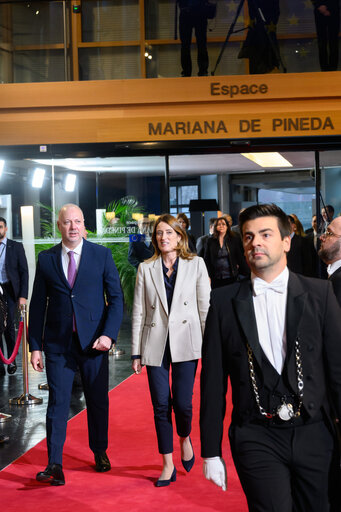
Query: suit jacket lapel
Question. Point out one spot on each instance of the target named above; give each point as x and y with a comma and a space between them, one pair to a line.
243, 305
57, 259
83, 264
157, 278
180, 280
296, 300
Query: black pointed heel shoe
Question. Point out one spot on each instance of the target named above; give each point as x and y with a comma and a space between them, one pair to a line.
164, 483
188, 464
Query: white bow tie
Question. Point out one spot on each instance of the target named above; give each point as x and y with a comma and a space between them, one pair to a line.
260, 286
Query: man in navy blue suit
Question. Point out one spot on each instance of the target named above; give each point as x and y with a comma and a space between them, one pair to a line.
14, 282
75, 315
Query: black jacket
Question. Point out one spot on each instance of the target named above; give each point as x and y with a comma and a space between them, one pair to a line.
313, 314
335, 279
237, 261
17, 269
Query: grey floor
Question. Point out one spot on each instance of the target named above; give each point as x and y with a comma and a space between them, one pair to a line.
27, 425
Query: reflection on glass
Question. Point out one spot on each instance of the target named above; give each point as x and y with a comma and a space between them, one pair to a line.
105, 20
109, 63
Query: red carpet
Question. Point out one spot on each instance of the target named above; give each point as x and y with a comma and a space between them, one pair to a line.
135, 465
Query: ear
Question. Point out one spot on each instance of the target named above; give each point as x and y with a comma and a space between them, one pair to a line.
286, 243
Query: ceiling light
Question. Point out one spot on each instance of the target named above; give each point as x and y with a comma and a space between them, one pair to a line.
267, 159
2, 165
38, 178
70, 182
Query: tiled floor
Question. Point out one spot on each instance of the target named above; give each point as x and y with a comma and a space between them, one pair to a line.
27, 425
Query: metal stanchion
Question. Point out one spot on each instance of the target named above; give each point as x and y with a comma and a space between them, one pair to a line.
4, 417
25, 398
115, 351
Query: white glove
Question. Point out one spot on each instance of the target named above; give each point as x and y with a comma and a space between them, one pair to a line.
215, 470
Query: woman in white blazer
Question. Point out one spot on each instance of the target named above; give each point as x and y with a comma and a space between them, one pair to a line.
169, 312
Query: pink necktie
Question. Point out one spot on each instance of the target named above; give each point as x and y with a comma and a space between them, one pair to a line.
71, 276
71, 271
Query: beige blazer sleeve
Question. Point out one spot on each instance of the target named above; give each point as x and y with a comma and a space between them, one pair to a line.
183, 325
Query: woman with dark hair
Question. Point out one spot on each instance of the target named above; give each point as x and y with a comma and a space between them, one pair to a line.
224, 255
170, 306
183, 220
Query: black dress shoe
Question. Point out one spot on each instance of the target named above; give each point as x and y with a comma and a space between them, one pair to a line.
3, 439
102, 462
164, 483
188, 464
12, 368
53, 474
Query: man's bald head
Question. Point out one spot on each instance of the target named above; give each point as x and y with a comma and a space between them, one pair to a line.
71, 225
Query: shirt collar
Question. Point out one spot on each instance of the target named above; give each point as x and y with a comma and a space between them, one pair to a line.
175, 266
76, 250
4, 240
333, 267
280, 280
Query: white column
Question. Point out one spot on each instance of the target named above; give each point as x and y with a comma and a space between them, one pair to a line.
28, 241
99, 221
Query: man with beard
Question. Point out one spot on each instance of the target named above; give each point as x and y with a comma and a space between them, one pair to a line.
14, 282
330, 253
277, 338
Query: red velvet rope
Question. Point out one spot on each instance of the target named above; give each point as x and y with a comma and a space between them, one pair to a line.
16, 347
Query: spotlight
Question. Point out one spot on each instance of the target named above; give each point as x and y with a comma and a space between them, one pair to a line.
2, 165
38, 178
70, 182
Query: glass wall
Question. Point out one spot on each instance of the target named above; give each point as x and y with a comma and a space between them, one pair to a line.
114, 194
55, 40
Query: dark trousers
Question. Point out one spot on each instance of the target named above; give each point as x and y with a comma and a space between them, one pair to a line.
189, 20
60, 371
284, 469
164, 399
9, 333
327, 31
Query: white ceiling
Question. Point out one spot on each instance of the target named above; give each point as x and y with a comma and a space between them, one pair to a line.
189, 165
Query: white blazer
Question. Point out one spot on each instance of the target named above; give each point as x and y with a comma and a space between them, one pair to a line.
184, 323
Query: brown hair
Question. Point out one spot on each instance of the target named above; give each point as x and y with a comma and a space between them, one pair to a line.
184, 217
224, 219
299, 228
182, 248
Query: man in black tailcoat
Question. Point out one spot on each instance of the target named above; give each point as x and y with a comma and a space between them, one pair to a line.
277, 336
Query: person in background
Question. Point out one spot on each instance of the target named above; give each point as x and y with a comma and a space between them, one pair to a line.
261, 45
202, 240
300, 256
169, 312
14, 282
330, 253
193, 16
327, 21
276, 337
313, 239
141, 250
327, 214
224, 255
183, 220
75, 314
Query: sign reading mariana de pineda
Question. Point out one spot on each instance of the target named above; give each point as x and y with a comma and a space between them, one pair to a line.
231, 124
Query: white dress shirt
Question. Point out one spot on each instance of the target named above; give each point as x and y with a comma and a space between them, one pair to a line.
270, 300
333, 267
65, 257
